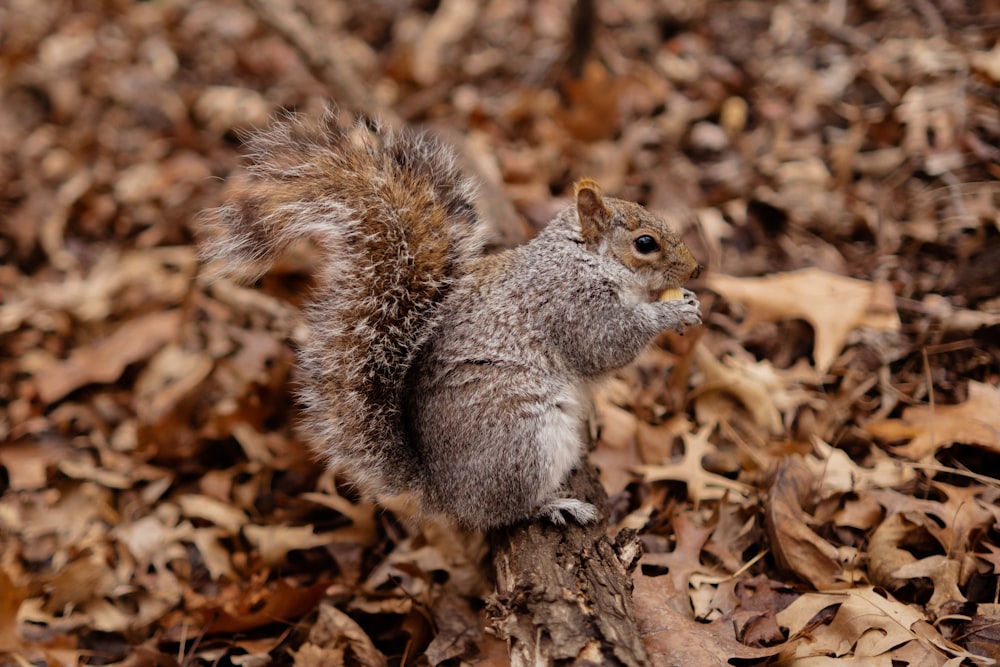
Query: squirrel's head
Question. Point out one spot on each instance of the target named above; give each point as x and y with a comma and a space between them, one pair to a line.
635, 237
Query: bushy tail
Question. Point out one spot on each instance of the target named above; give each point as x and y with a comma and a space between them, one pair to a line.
397, 223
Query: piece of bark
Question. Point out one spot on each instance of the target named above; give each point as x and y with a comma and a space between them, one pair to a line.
564, 594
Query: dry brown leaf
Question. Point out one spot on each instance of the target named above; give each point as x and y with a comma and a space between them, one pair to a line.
81, 580
926, 428
593, 105
953, 522
310, 655
11, 597
861, 513
987, 62
84, 467
763, 390
274, 542
685, 559
655, 442
966, 512
256, 606
217, 558
336, 630
104, 362
222, 109
459, 630
945, 573
839, 473
983, 632
701, 484
992, 557
222, 514
171, 375
363, 529
958, 320
834, 305
616, 453
892, 566
796, 546
867, 626
673, 637
27, 463
71, 514
163, 274
149, 538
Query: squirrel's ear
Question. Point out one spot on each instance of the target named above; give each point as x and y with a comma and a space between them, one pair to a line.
591, 210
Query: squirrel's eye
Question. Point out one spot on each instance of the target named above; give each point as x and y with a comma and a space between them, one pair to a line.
645, 244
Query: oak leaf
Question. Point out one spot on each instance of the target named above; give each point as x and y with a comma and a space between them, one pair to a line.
766, 392
105, 361
928, 427
673, 637
701, 484
834, 305
868, 626
797, 547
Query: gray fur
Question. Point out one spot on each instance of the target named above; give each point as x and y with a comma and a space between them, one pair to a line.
458, 379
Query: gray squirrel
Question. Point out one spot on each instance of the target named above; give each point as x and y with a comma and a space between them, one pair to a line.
435, 371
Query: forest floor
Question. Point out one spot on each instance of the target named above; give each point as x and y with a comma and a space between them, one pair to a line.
813, 472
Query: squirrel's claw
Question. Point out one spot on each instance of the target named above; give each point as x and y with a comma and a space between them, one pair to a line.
682, 312
581, 512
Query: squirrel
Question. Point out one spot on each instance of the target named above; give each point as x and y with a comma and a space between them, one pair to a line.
434, 370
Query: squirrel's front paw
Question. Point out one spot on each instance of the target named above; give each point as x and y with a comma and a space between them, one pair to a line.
581, 512
682, 312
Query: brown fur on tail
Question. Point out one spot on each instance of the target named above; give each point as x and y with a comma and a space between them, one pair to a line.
397, 223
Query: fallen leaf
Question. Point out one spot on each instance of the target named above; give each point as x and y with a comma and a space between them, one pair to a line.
987, 62
104, 362
796, 546
983, 632
164, 275
261, 605
834, 305
839, 473
944, 572
655, 442
11, 597
217, 559
958, 320
170, 376
81, 580
222, 514
866, 626
685, 559
274, 542
28, 463
336, 630
458, 630
756, 384
701, 484
672, 637
926, 427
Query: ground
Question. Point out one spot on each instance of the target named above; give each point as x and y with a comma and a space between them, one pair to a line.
813, 472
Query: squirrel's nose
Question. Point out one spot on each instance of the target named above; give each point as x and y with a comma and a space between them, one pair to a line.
698, 268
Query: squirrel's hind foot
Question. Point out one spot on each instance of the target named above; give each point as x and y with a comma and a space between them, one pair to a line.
555, 511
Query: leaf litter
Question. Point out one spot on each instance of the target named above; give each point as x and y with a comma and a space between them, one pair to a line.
813, 473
